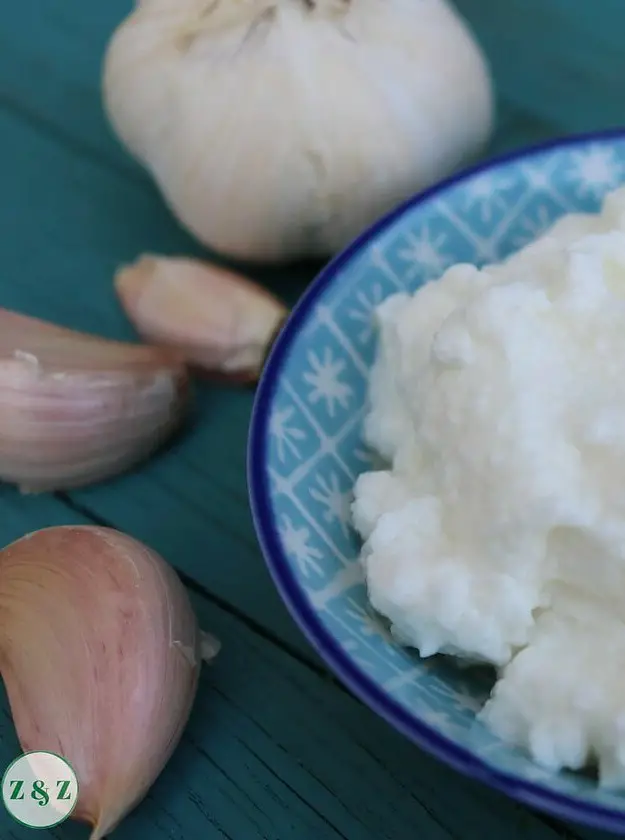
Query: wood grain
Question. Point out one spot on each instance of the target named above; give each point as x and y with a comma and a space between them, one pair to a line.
560, 60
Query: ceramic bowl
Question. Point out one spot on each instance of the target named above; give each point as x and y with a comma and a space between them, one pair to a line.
306, 451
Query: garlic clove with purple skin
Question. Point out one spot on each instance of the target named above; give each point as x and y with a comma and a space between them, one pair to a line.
75, 408
100, 655
221, 322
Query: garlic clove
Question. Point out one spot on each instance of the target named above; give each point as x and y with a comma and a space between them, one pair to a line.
75, 408
100, 654
220, 321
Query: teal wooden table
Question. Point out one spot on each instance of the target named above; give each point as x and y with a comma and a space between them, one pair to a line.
276, 749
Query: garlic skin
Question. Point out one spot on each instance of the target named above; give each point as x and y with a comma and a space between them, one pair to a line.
280, 129
100, 655
219, 321
75, 409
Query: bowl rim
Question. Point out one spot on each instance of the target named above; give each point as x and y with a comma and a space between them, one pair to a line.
364, 687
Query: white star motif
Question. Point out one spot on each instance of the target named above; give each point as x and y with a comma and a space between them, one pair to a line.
335, 500
296, 543
286, 436
380, 262
538, 177
363, 312
425, 253
325, 378
595, 170
485, 194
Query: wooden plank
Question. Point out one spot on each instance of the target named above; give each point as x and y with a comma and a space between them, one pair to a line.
275, 751
21, 514
561, 60
517, 129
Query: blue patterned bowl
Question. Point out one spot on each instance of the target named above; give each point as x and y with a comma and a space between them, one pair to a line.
306, 450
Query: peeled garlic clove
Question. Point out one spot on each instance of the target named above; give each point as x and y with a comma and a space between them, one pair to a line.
76, 409
218, 320
100, 654
280, 129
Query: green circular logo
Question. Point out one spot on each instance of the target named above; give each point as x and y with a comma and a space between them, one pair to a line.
40, 789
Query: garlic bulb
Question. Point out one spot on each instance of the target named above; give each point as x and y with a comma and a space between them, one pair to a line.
219, 321
75, 409
100, 656
278, 129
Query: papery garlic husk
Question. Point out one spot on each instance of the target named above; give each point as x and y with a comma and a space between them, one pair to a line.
100, 655
279, 129
219, 321
75, 409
